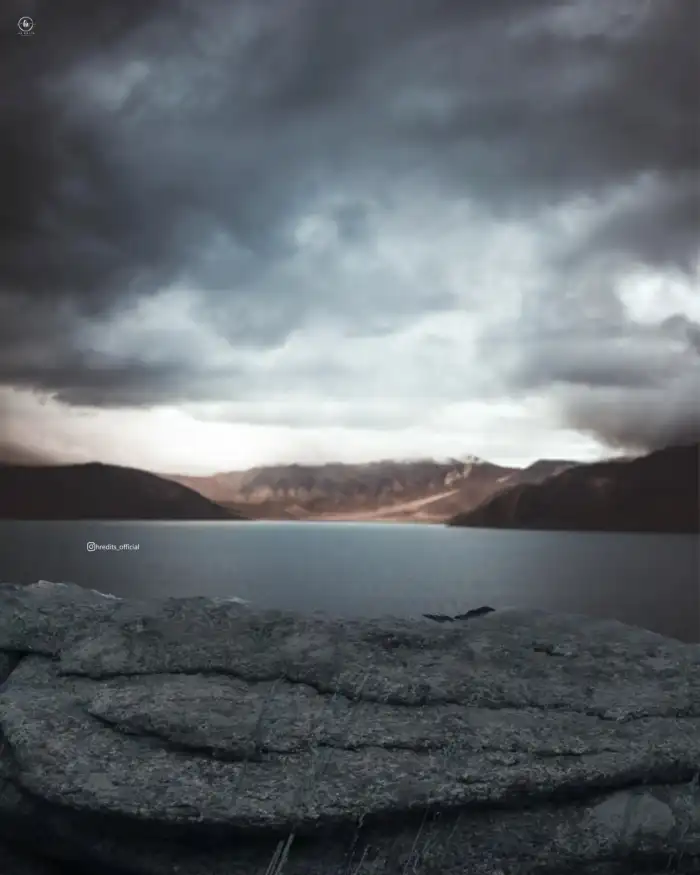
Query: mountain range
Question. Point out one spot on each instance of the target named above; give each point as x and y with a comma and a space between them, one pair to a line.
654, 493
423, 490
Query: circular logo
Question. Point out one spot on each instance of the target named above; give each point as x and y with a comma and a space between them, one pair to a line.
25, 24
91, 546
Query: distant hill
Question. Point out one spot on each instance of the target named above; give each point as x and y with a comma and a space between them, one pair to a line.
421, 490
97, 491
655, 493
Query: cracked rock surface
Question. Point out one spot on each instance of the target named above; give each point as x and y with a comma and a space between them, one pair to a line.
202, 737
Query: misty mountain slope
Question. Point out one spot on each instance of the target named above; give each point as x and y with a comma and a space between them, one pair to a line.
97, 491
387, 489
543, 468
655, 493
14, 454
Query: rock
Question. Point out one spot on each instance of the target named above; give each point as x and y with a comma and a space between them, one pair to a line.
204, 737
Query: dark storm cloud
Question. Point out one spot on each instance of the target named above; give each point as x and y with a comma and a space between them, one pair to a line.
100, 195
660, 225
145, 144
631, 385
642, 419
628, 357
86, 380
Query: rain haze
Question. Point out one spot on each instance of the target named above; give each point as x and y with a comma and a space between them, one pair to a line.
244, 233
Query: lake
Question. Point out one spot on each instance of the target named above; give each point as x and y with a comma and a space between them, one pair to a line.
356, 569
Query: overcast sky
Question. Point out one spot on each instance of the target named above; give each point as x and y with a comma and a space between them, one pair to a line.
239, 233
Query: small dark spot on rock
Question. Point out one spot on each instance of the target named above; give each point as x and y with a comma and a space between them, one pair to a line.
477, 612
444, 618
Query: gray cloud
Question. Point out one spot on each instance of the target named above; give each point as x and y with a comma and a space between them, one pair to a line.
644, 418
629, 384
256, 154
629, 356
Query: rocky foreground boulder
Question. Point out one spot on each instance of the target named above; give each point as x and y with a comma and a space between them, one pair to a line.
201, 737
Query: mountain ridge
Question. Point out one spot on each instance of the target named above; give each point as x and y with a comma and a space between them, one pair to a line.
95, 490
421, 490
659, 492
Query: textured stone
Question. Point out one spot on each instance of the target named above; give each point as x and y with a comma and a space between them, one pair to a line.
202, 737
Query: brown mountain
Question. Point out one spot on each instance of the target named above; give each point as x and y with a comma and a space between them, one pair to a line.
654, 493
421, 490
97, 491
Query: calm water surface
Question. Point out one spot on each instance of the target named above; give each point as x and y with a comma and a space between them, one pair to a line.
372, 569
